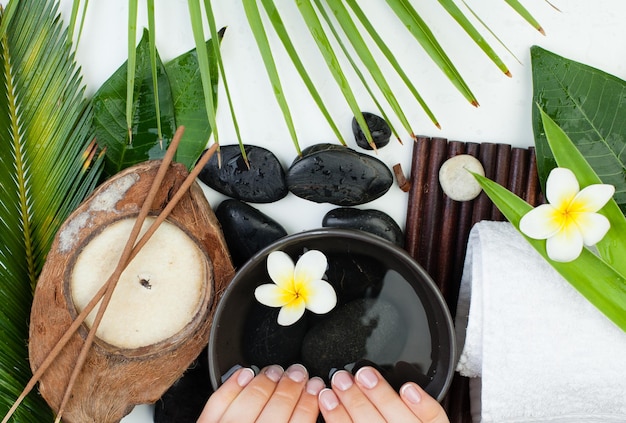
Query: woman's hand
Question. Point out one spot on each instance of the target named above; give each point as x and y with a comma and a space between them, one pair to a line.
274, 396
367, 397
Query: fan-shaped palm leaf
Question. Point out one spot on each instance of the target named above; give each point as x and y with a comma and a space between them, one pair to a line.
45, 171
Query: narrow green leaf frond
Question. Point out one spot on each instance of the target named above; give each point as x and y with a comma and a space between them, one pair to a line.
454, 11
130, 81
256, 25
358, 12
203, 61
420, 31
216, 39
524, 13
318, 32
361, 77
279, 27
351, 31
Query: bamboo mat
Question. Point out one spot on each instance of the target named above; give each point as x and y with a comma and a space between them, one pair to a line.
437, 228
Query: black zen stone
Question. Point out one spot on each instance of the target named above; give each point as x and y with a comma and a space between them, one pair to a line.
263, 182
183, 402
246, 229
266, 342
379, 129
368, 329
338, 175
373, 221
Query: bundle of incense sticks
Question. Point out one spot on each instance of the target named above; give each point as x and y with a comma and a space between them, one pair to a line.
437, 228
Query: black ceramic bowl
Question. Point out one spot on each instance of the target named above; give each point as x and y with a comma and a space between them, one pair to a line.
389, 314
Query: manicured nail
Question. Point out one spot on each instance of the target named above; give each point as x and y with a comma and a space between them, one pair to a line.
274, 372
245, 376
328, 399
342, 380
315, 385
297, 372
367, 377
410, 392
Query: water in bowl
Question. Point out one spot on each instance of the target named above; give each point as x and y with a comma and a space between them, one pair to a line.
381, 319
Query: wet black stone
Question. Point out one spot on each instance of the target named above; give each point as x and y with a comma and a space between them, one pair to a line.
379, 128
355, 276
373, 221
362, 329
183, 402
264, 182
266, 342
338, 175
246, 229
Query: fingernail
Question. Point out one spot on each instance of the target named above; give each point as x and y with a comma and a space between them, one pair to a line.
367, 377
245, 376
328, 399
410, 392
315, 385
342, 380
297, 372
274, 372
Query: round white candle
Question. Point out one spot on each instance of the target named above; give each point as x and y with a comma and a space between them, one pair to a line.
157, 295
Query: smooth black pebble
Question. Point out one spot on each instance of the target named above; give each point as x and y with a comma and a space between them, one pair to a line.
263, 182
246, 229
373, 221
338, 175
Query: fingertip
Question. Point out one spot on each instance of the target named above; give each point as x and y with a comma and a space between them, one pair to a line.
411, 392
274, 372
328, 400
314, 386
245, 376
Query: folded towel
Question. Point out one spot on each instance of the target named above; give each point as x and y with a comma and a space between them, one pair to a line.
542, 351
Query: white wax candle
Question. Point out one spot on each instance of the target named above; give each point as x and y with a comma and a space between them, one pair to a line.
157, 295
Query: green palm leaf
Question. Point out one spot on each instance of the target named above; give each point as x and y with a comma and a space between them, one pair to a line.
45, 172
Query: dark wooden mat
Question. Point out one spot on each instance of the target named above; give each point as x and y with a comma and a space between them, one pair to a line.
437, 228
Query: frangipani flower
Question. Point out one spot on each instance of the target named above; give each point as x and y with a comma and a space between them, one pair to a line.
298, 287
570, 219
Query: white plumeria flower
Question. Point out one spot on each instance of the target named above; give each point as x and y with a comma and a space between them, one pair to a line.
298, 287
570, 220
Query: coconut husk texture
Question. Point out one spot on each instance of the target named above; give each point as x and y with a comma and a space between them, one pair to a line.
113, 380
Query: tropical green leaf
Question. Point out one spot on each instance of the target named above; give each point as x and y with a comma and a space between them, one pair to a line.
132, 57
351, 31
203, 62
258, 30
189, 105
613, 246
597, 281
110, 116
46, 168
358, 72
474, 34
216, 39
279, 27
153, 66
524, 13
416, 26
362, 17
590, 106
323, 43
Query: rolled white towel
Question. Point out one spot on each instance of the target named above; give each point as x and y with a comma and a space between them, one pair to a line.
542, 351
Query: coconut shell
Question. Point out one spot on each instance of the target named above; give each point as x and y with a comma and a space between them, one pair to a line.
114, 380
